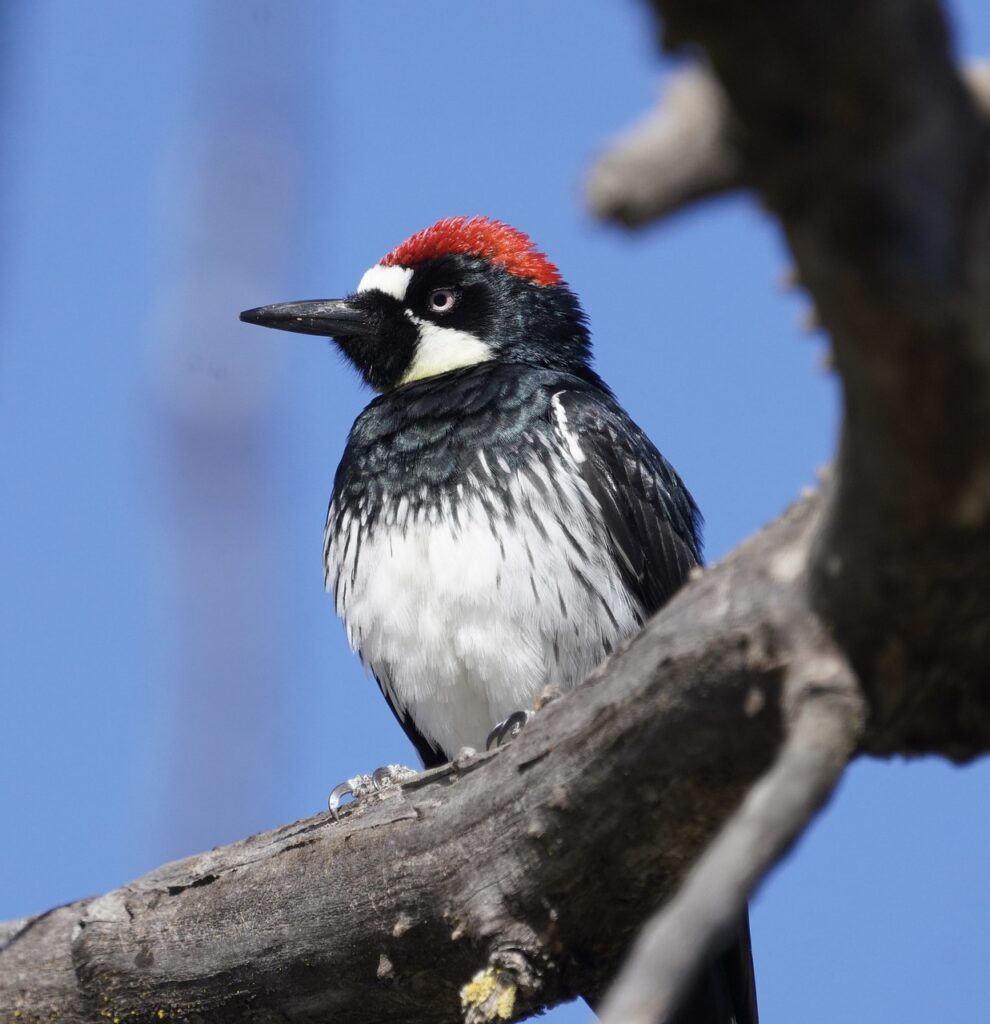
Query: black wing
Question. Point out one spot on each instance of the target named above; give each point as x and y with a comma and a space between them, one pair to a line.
652, 521
431, 756
653, 527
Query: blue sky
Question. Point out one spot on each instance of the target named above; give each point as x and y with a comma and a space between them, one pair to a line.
173, 676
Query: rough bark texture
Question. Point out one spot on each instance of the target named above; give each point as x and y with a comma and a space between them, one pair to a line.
858, 621
388, 913
878, 173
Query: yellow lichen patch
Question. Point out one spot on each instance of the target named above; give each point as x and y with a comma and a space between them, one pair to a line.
489, 996
506, 1002
113, 1014
478, 989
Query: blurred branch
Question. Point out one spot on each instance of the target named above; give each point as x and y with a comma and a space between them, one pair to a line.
680, 152
688, 149
878, 173
698, 922
856, 622
221, 577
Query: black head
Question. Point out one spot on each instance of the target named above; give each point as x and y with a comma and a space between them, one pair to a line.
463, 292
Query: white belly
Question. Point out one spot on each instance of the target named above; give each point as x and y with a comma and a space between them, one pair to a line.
465, 622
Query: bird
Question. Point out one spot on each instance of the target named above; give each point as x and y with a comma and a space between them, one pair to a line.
498, 522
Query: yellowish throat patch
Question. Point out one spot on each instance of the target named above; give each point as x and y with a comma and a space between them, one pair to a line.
442, 349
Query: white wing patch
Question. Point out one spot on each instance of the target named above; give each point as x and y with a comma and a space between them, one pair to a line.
391, 280
569, 438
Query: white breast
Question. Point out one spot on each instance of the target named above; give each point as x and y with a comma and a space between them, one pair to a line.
466, 619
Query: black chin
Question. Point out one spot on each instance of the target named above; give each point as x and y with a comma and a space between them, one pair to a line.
382, 360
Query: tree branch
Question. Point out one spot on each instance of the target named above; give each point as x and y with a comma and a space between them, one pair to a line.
477, 860
465, 894
687, 149
699, 920
682, 151
878, 173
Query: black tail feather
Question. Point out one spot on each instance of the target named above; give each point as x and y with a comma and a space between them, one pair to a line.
725, 993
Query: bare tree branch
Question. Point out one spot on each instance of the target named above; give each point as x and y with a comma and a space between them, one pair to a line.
878, 173
698, 921
487, 889
687, 149
680, 152
478, 860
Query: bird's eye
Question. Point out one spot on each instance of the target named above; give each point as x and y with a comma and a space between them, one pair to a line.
442, 300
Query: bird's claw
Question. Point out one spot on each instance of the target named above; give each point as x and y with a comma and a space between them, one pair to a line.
364, 785
508, 729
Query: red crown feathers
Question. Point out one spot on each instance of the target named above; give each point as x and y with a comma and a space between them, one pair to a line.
476, 236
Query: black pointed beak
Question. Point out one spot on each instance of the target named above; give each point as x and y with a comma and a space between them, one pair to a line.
332, 318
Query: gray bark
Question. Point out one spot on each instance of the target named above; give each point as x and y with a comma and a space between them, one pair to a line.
857, 623
527, 859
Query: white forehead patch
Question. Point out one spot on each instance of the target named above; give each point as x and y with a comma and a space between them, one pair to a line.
391, 280
441, 349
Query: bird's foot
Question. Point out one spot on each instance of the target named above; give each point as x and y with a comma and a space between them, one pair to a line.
507, 730
365, 785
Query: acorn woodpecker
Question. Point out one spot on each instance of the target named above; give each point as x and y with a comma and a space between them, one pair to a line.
498, 522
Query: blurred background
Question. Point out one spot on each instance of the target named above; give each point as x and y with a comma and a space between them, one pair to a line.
173, 677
